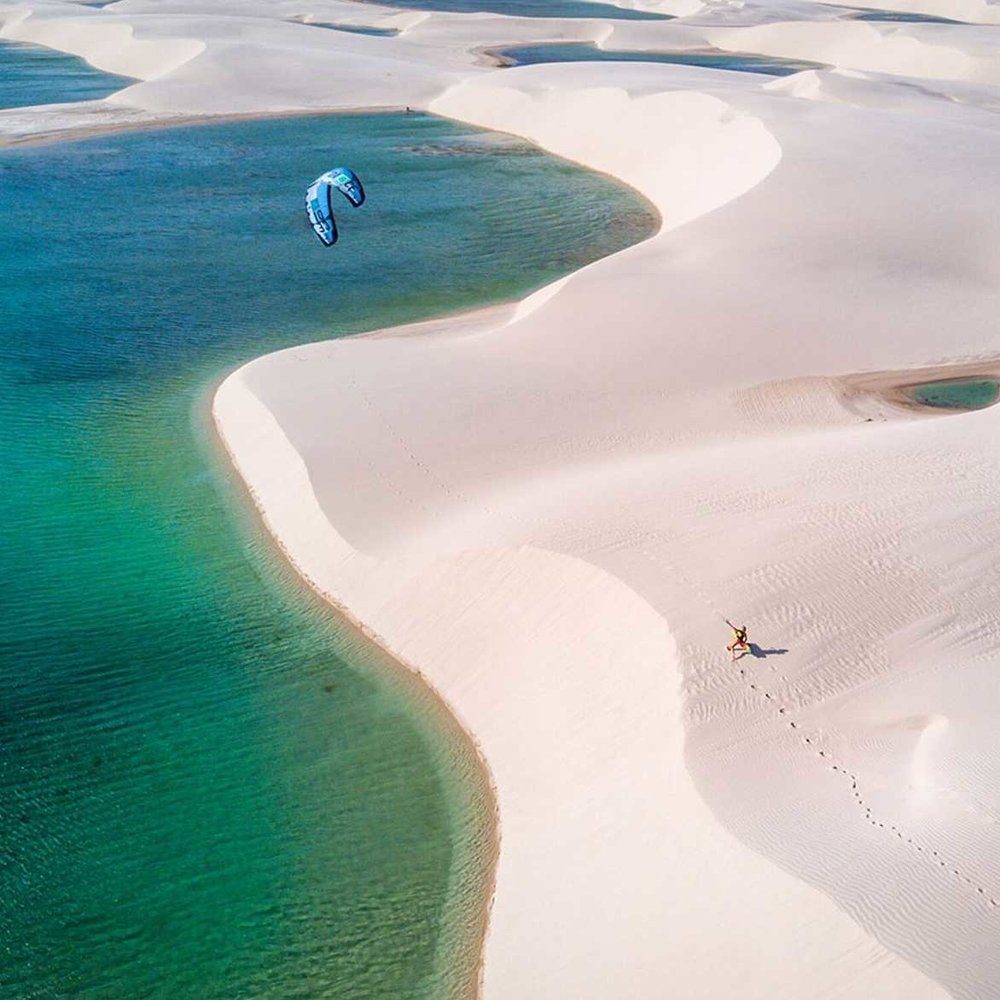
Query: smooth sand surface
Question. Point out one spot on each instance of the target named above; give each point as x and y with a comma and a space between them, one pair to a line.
548, 509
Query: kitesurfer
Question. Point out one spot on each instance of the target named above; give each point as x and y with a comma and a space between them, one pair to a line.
739, 639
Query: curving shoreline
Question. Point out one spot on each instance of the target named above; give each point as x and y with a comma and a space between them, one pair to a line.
608, 506
352, 717
472, 750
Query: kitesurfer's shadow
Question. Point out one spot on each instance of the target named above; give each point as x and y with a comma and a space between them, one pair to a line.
763, 654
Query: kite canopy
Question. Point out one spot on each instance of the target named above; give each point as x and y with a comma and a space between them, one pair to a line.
319, 207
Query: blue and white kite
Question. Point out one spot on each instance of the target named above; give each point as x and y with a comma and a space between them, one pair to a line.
318, 204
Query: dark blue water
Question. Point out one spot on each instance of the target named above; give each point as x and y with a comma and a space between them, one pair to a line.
902, 17
526, 55
31, 74
208, 789
532, 8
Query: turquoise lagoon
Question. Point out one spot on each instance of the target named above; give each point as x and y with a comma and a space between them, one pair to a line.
527, 55
31, 74
209, 788
958, 394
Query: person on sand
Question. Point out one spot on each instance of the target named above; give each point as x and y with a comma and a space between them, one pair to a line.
739, 639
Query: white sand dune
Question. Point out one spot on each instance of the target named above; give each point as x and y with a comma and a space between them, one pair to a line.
548, 508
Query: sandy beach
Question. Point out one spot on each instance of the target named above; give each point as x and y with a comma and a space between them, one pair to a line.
549, 508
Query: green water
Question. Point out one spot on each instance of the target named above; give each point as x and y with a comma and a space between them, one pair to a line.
207, 788
958, 394
527, 55
31, 74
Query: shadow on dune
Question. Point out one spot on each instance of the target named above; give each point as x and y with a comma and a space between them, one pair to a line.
762, 654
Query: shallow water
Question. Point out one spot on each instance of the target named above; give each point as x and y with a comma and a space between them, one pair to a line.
31, 74
526, 55
207, 789
353, 29
958, 394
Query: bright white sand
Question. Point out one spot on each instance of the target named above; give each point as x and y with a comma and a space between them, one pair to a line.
548, 508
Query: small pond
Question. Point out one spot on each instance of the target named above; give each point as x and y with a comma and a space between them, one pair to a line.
526, 55
957, 394
902, 16
354, 29
33, 74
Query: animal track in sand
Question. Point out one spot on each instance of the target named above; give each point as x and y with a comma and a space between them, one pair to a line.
862, 803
